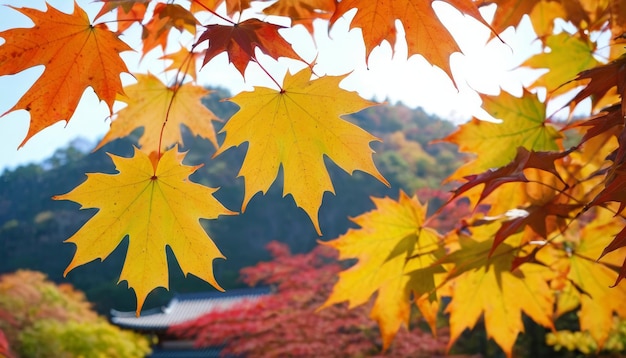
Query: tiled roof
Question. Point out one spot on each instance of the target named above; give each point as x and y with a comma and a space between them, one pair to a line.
186, 307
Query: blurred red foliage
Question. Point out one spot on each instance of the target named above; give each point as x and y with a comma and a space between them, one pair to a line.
288, 323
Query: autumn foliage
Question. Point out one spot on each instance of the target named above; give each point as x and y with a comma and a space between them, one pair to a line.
288, 322
546, 234
41, 319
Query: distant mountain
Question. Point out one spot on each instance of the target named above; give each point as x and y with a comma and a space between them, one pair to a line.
33, 226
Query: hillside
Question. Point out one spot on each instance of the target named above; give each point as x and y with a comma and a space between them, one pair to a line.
33, 226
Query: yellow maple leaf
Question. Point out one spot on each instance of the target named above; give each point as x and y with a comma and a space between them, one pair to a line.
589, 281
390, 243
151, 103
567, 57
484, 285
295, 128
495, 144
543, 15
183, 62
155, 204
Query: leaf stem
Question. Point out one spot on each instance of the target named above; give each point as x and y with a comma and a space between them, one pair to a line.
214, 13
268, 74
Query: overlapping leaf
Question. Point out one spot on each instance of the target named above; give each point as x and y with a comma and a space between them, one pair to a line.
128, 11
512, 172
232, 6
183, 62
601, 80
425, 34
510, 12
495, 144
568, 56
588, 282
76, 55
392, 245
166, 17
241, 40
295, 128
156, 205
487, 287
302, 11
161, 110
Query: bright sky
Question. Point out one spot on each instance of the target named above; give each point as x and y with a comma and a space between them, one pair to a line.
484, 66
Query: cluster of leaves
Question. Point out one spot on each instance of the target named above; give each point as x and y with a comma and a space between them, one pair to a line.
288, 323
305, 108
41, 319
584, 343
547, 236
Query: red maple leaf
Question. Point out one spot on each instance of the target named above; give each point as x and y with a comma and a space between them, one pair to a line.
512, 172
240, 40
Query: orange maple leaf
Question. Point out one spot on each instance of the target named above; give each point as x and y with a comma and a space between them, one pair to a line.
425, 34
76, 55
240, 41
295, 128
165, 18
151, 103
183, 62
392, 246
302, 11
510, 12
128, 11
232, 6
156, 205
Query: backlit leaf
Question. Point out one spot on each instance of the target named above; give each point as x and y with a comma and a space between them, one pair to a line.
302, 11
155, 205
390, 243
241, 40
76, 55
488, 287
568, 56
589, 279
425, 34
523, 125
296, 128
151, 103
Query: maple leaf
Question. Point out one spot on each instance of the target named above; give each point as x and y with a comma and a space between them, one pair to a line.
488, 286
607, 121
590, 280
425, 34
509, 12
523, 125
232, 6
151, 103
567, 57
155, 204
183, 61
601, 80
164, 18
128, 11
302, 11
295, 128
391, 242
512, 172
240, 41
543, 15
76, 55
